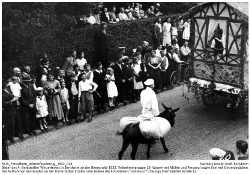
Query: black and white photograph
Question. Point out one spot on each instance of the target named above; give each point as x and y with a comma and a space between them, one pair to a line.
144, 81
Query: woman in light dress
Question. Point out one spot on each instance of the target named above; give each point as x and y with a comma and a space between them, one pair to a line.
186, 31
111, 87
52, 91
166, 30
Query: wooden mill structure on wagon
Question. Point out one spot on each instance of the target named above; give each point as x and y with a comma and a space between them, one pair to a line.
227, 70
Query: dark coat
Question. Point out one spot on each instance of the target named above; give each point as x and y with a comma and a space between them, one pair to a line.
119, 74
28, 96
101, 40
102, 88
8, 108
68, 86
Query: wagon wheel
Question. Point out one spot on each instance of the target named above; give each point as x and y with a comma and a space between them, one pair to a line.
173, 79
209, 99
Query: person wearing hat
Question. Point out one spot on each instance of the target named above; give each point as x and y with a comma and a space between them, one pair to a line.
129, 85
154, 64
41, 108
72, 86
28, 101
221, 154
26, 71
102, 95
120, 75
148, 99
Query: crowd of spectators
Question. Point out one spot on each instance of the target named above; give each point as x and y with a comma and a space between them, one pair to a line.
130, 11
72, 90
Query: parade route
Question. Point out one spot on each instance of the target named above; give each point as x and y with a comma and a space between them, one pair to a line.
197, 130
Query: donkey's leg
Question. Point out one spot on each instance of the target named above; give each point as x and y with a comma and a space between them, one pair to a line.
148, 151
124, 147
163, 144
134, 150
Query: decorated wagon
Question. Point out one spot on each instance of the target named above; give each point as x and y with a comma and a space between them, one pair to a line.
219, 37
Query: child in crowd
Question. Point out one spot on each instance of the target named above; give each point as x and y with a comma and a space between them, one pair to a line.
242, 147
77, 72
88, 72
111, 87
85, 96
42, 108
64, 96
15, 89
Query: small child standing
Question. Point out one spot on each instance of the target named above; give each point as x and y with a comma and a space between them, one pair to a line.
111, 87
242, 148
42, 109
64, 96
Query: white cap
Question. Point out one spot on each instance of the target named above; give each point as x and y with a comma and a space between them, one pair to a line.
217, 152
149, 82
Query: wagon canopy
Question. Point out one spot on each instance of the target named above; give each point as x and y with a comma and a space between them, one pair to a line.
230, 66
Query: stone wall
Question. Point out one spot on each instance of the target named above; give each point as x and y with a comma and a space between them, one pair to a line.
223, 74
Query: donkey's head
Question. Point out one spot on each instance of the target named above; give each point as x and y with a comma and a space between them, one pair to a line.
169, 114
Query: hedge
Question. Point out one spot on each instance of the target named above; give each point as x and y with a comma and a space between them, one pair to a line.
57, 43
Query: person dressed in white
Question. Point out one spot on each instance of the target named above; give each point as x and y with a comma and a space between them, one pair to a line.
186, 31
111, 87
148, 99
85, 96
166, 30
42, 109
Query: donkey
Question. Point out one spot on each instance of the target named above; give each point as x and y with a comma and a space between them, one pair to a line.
132, 134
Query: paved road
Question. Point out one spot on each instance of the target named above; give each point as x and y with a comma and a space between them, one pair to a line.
197, 130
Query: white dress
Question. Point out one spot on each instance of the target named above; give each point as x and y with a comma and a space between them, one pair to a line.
42, 107
166, 33
137, 69
111, 87
64, 96
186, 31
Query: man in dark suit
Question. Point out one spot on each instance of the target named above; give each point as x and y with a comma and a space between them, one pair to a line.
72, 86
101, 38
28, 102
120, 75
129, 84
157, 33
